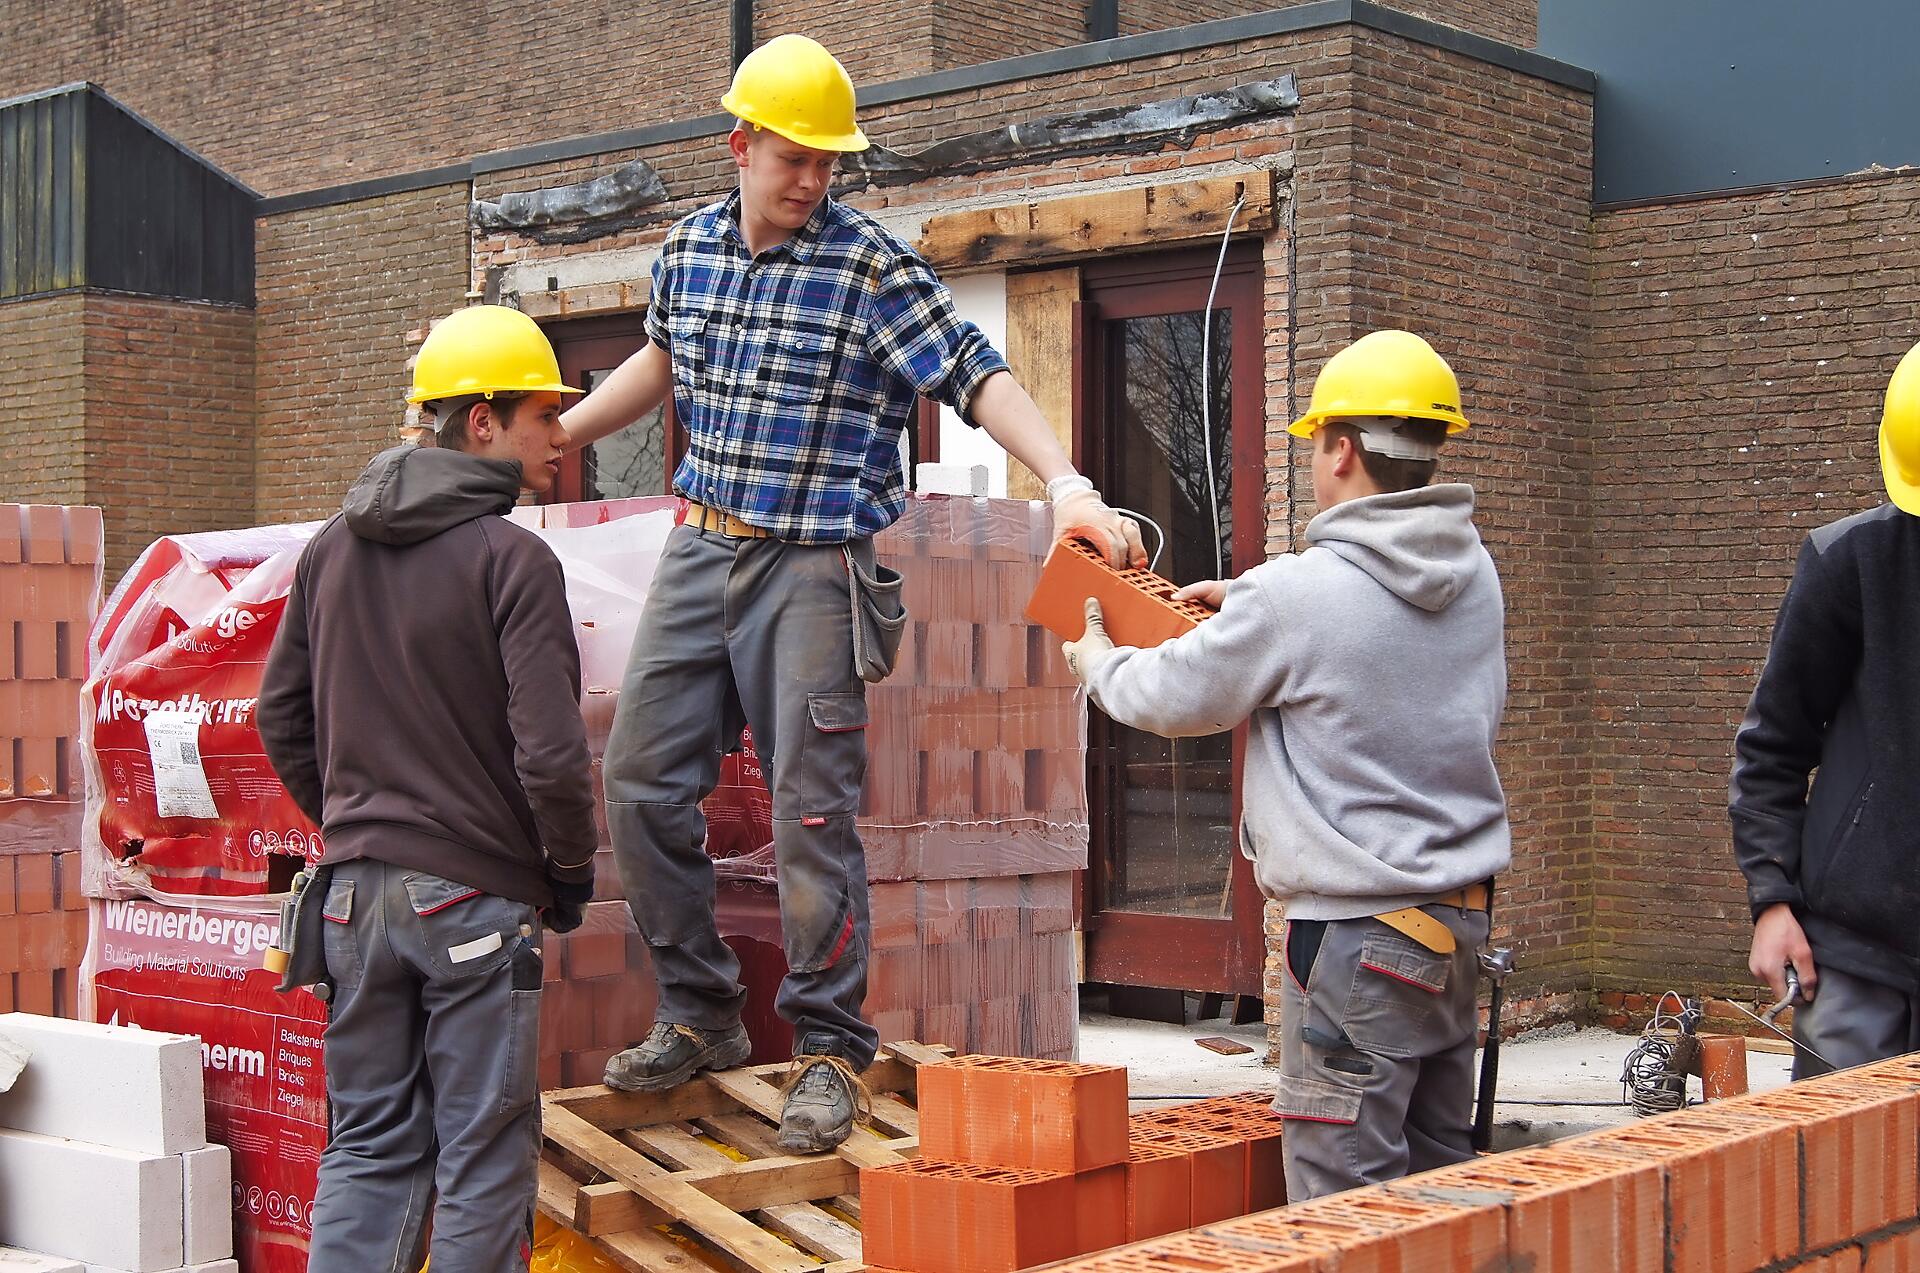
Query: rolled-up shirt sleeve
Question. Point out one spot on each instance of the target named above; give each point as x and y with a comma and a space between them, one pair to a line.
917, 334
657, 305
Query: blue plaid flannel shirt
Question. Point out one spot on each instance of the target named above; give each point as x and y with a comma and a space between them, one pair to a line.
794, 373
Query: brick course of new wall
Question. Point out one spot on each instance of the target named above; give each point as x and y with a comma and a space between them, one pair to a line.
1742, 346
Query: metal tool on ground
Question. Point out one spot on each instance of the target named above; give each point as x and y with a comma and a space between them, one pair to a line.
1496, 963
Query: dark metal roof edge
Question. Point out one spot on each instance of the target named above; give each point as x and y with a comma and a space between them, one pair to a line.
88, 86
372, 188
1302, 17
1909, 171
155, 130
94, 289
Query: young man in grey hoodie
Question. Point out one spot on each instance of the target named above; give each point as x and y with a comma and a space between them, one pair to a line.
422, 706
1371, 671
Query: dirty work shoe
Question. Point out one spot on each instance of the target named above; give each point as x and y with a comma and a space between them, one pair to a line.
820, 1099
670, 1055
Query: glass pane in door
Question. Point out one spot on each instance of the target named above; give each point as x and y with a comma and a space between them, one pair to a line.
1172, 800
630, 462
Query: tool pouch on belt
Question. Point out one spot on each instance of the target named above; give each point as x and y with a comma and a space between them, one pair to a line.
305, 939
879, 614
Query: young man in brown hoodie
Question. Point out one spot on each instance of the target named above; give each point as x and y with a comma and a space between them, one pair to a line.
421, 703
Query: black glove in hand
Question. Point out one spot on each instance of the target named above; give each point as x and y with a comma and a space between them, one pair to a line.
569, 909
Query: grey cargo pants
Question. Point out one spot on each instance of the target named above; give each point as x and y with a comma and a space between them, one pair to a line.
1853, 1021
753, 631
432, 1058
1376, 1053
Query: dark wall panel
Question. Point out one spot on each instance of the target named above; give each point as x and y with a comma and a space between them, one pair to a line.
1718, 94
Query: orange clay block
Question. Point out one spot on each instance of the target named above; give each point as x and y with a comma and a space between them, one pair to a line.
1138, 605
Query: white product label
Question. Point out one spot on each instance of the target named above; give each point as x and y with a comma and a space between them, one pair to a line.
179, 780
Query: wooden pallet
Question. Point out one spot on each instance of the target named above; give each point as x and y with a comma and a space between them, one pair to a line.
692, 1179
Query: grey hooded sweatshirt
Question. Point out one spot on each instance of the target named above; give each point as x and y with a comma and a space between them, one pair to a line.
1372, 668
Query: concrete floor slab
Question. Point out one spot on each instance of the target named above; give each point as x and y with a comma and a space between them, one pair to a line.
1553, 1083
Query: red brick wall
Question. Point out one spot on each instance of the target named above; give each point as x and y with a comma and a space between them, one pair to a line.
1742, 346
339, 290
144, 407
294, 97
893, 38
1499, 282
42, 353
169, 405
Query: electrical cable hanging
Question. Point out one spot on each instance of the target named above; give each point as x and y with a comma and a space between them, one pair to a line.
1206, 390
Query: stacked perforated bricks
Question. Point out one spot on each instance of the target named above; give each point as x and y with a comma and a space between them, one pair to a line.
977, 732
1022, 1162
49, 593
974, 810
1822, 1175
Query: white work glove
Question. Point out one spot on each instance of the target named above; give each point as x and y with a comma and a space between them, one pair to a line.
1079, 510
1093, 647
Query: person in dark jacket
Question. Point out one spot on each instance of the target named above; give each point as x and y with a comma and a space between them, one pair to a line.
1833, 867
421, 704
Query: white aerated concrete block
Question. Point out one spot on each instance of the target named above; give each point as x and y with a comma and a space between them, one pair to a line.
951, 479
209, 1204
14, 1260
217, 1266
121, 1086
96, 1204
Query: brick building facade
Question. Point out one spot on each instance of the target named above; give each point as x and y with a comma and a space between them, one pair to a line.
1664, 396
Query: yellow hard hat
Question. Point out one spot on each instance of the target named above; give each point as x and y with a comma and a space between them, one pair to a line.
1384, 373
795, 88
485, 349
1900, 435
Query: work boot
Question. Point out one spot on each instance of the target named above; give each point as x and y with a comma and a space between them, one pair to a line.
671, 1054
820, 1102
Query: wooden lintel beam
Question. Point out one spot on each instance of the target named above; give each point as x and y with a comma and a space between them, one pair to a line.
1044, 230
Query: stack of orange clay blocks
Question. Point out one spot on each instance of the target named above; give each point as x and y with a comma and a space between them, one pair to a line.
974, 815
1026, 1161
50, 561
1822, 1175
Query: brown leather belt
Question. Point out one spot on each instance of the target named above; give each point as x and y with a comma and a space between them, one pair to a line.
700, 517
1430, 932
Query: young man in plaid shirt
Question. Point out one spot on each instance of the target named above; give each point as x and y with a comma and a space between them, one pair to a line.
796, 335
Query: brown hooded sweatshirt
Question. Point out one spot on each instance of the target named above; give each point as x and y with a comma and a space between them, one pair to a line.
422, 700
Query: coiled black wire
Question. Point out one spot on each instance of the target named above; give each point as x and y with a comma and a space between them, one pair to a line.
1650, 1081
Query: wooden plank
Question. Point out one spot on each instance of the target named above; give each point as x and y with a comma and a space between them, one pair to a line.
892, 1113
1085, 225
639, 1251
727, 1229
1040, 355
808, 1226
1761, 1043
915, 1055
609, 1208
698, 1098
862, 1148
814, 1230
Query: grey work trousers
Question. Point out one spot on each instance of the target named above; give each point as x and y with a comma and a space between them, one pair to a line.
1376, 1053
432, 1059
753, 631
1853, 1021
